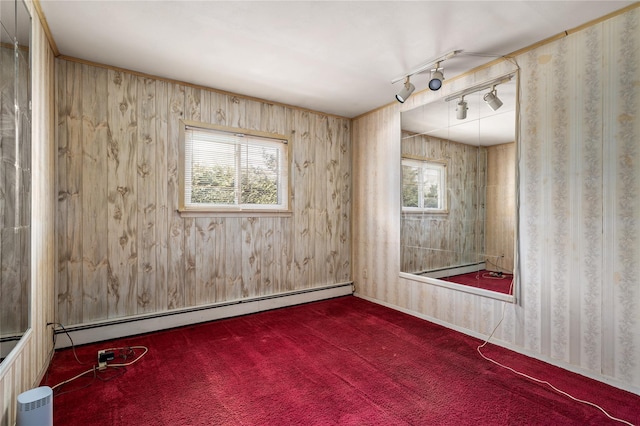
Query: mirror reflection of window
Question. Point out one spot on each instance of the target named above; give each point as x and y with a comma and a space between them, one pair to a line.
423, 185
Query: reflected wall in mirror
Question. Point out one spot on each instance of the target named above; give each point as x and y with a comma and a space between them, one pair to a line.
15, 173
459, 216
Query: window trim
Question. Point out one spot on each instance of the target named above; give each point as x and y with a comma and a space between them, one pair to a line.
236, 211
425, 161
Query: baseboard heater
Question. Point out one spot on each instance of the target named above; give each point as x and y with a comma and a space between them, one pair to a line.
456, 270
139, 324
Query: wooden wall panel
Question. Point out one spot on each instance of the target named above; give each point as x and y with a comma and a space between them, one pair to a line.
122, 115
301, 175
162, 206
158, 260
175, 243
500, 207
94, 218
146, 199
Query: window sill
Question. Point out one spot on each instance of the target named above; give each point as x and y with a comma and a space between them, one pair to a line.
235, 213
425, 212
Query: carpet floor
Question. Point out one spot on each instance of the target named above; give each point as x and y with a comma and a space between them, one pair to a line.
483, 279
343, 361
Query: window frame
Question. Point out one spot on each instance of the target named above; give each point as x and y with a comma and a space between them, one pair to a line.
431, 164
186, 209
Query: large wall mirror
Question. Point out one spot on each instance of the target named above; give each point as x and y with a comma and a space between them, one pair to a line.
459, 183
15, 173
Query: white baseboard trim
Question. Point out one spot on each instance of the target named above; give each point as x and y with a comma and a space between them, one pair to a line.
558, 363
139, 324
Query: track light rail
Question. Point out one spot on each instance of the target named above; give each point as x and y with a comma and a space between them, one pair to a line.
478, 87
427, 65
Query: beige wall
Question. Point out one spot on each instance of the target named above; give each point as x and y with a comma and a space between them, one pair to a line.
579, 302
26, 365
122, 247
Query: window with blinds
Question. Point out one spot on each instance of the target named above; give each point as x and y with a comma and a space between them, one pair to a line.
234, 169
423, 186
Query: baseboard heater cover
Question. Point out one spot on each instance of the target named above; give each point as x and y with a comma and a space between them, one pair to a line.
130, 326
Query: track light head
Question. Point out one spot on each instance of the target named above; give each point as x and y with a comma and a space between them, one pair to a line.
491, 98
435, 83
406, 91
461, 109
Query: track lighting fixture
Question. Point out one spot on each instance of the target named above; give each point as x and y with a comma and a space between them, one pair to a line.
406, 91
491, 98
435, 82
461, 109
436, 78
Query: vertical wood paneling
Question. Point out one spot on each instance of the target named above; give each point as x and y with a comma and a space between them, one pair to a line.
94, 194
252, 261
192, 112
146, 186
70, 193
267, 268
302, 164
218, 108
205, 259
236, 112
321, 223
231, 245
500, 207
175, 243
159, 260
162, 205
343, 195
122, 192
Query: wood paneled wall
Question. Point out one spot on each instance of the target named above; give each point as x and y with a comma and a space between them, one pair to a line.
123, 249
26, 365
579, 187
500, 223
432, 241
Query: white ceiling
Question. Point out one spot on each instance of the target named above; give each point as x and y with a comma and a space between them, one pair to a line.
335, 57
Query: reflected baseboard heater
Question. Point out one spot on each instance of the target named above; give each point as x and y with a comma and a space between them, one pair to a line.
146, 323
457, 270
35, 407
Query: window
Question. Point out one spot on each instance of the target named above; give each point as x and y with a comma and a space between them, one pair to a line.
423, 185
233, 169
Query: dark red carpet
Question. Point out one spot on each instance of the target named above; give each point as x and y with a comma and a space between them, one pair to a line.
482, 279
344, 361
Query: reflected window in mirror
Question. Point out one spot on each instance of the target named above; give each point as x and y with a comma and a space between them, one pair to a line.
470, 244
424, 185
